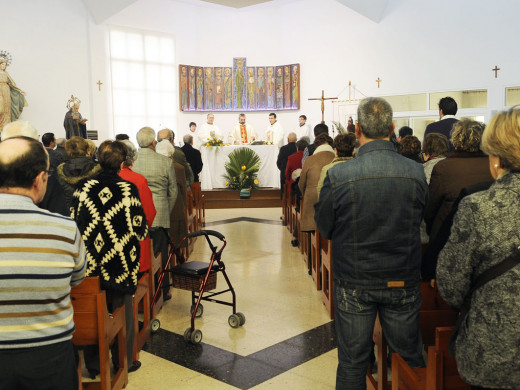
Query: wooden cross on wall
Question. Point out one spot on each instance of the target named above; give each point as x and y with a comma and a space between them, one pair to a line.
378, 81
99, 83
496, 69
323, 98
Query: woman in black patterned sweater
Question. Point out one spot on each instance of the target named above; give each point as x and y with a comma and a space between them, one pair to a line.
109, 214
486, 231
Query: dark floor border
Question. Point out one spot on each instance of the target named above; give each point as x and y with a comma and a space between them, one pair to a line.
239, 371
243, 219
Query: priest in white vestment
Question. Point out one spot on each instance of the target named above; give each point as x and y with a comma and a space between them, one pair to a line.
209, 129
304, 130
198, 139
274, 133
242, 133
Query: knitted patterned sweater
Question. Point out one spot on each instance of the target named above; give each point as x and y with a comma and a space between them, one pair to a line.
108, 212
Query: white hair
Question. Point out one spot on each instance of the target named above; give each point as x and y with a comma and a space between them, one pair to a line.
145, 137
19, 129
132, 152
165, 148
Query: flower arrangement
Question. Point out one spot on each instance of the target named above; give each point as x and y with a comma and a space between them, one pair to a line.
242, 169
214, 141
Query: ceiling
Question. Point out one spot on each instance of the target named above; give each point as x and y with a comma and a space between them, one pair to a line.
101, 10
237, 3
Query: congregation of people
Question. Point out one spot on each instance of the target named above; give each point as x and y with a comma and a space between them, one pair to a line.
397, 211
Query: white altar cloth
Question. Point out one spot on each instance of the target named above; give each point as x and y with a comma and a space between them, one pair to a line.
214, 159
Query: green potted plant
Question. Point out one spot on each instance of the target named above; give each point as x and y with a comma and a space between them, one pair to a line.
242, 171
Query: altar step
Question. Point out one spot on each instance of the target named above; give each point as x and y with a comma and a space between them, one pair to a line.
230, 199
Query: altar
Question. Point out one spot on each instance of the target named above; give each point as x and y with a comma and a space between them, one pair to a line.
214, 159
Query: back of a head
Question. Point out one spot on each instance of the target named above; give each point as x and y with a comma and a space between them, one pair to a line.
47, 139
410, 146
435, 145
76, 147
122, 137
301, 144
132, 152
404, 131
292, 137
21, 161
345, 144
501, 138
466, 135
111, 155
321, 128
165, 134
165, 148
91, 147
61, 142
375, 118
187, 139
351, 128
19, 129
322, 139
145, 137
448, 105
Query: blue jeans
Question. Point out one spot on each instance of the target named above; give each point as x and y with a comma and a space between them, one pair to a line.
355, 314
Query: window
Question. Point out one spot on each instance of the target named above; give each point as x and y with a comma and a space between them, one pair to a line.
144, 90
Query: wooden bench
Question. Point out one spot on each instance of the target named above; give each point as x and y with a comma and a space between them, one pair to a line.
192, 223
199, 202
327, 284
440, 372
141, 302
94, 325
156, 270
434, 312
316, 243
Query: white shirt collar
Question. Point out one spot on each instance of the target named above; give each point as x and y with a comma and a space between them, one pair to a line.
448, 117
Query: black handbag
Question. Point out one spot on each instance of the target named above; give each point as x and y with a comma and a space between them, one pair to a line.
481, 280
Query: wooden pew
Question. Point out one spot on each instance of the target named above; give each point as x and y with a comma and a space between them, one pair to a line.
141, 302
316, 242
440, 372
200, 205
294, 213
94, 325
434, 312
192, 223
327, 295
156, 270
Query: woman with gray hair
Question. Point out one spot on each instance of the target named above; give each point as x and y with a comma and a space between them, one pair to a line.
484, 234
465, 166
146, 200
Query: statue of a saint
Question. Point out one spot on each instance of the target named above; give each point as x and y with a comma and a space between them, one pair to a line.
12, 98
74, 123
239, 83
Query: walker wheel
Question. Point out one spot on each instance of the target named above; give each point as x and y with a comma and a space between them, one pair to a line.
199, 312
242, 318
234, 321
196, 336
187, 334
155, 324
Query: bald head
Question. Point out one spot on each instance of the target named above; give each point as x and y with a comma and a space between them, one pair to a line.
19, 129
292, 137
165, 134
22, 161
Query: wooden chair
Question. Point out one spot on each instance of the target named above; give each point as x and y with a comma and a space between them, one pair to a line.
327, 295
381, 383
94, 325
316, 242
142, 301
440, 373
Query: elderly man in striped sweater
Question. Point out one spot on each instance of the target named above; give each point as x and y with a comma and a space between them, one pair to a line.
41, 256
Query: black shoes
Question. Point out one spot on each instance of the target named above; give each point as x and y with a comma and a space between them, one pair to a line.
294, 243
135, 366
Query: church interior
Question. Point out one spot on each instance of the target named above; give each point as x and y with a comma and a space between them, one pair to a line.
411, 52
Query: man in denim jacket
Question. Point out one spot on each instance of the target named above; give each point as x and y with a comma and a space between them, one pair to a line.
371, 208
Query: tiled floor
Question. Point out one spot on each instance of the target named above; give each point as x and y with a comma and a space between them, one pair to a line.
288, 339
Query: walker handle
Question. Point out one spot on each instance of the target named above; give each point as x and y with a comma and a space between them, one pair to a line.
207, 233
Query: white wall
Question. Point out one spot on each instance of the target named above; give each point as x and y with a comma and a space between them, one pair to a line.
419, 46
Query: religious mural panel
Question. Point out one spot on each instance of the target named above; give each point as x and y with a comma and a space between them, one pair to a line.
191, 87
260, 88
239, 88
